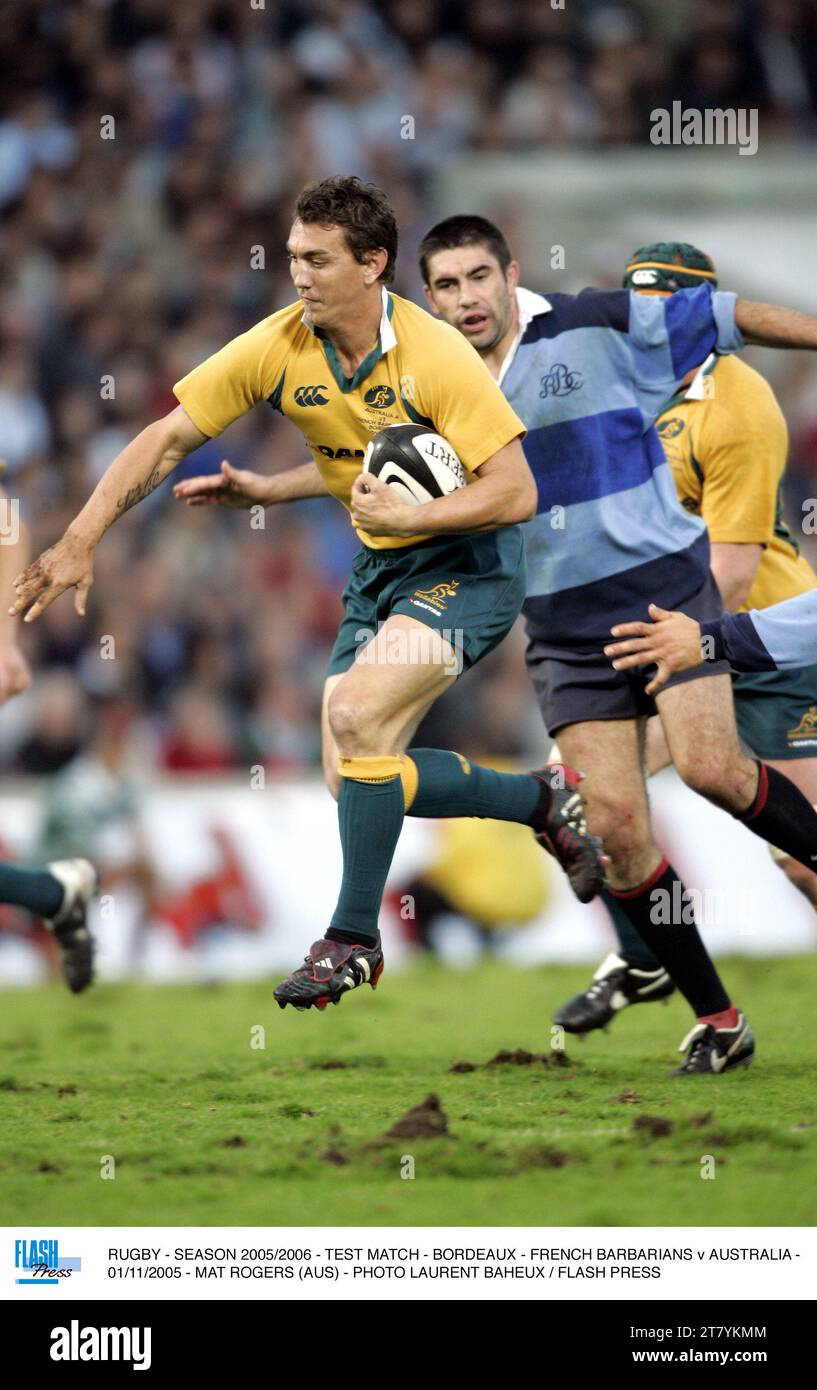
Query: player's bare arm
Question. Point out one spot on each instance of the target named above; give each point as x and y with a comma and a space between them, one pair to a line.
243, 488
134, 474
735, 566
672, 642
503, 493
770, 325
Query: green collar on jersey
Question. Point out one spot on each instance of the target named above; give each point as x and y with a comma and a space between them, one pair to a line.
386, 340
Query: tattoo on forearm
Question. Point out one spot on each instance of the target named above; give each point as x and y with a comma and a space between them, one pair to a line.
138, 493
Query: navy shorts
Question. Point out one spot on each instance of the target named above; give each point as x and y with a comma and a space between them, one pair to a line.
577, 685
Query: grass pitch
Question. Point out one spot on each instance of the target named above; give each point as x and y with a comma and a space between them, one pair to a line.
207, 1130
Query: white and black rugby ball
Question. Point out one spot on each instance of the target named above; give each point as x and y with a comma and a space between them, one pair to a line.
416, 461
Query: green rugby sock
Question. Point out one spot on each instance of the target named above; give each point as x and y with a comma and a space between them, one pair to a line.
36, 889
370, 818
450, 785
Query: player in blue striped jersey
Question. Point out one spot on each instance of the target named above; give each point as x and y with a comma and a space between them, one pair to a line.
588, 374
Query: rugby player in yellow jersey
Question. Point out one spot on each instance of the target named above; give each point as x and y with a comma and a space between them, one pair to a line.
346, 359
726, 441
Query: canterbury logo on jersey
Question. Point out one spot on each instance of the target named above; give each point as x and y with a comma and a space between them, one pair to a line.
311, 395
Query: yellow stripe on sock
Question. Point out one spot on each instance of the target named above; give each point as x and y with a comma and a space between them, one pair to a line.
383, 769
380, 769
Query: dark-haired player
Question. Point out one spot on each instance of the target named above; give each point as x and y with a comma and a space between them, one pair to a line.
726, 442
346, 359
588, 375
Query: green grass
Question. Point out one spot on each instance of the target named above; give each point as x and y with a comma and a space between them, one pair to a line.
207, 1130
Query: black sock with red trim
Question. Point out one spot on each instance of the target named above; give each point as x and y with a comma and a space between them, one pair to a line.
781, 814
664, 917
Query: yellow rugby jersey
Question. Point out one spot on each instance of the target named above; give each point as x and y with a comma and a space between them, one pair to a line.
726, 442
421, 371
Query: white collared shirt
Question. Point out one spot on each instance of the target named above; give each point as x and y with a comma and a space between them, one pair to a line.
528, 304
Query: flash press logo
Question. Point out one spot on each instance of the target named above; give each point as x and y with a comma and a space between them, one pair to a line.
75, 1343
40, 1262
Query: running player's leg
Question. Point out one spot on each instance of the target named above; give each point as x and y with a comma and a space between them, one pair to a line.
699, 722
803, 773
642, 982
629, 975
609, 753
631, 947
641, 880
372, 712
366, 710
404, 667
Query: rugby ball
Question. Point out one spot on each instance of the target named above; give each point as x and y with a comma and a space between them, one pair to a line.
416, 461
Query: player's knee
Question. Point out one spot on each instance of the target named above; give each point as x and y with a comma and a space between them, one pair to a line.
716, 776
624, 834
353, 727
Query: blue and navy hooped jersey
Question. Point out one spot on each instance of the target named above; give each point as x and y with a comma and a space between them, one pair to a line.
768, 639
588, 379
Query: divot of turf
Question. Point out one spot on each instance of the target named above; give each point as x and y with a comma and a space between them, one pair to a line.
425, 1121
519, 1057
656, 1126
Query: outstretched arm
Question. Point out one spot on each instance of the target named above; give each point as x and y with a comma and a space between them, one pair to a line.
769, 325
240, 487
134, 474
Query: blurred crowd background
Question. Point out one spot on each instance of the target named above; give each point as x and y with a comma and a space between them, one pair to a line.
129, 259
